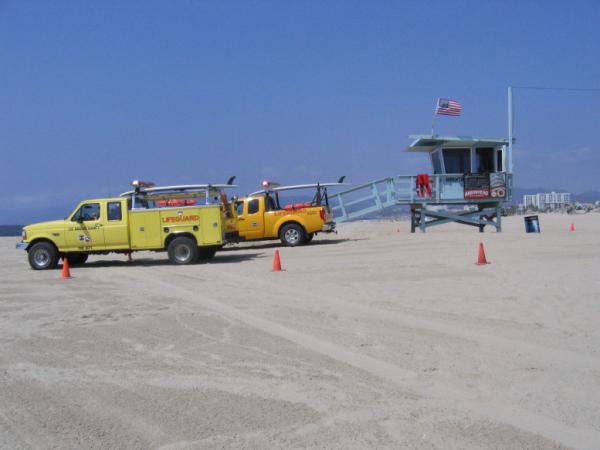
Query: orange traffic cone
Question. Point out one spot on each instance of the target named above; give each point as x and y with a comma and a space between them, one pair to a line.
276, 262
481, 261
66, 272
572, 227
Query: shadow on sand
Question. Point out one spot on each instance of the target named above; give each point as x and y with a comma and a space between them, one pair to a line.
261, 245
219, 258
231, 254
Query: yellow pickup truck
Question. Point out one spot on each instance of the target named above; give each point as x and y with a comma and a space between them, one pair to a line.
261, 216
189, 222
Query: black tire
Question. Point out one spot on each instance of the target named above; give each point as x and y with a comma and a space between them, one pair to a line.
309, 237
77, 259
292, 235
206, 253
183, 250
43, 256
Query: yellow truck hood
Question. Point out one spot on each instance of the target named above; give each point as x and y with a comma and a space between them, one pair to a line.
50, 225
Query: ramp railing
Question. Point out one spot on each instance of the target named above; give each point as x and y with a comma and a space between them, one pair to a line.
371, 197
402, 190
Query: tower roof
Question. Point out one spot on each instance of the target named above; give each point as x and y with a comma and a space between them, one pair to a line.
428, 142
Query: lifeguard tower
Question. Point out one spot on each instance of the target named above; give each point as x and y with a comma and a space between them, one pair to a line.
470, 179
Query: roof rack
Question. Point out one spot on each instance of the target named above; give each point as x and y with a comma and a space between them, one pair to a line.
185, 188
149, 190
276, 187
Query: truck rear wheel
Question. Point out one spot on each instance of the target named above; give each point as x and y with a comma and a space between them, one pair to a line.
206, 253
182, 250
42, 256
292, 235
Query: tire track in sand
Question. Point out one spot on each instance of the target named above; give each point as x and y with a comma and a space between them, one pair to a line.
453, 396
534, 351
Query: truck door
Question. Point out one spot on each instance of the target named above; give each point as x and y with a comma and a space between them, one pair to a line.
251, 224
116, 230
85, 232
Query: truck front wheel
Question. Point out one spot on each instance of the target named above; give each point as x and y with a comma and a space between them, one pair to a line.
42, 256
292, 235
182, 250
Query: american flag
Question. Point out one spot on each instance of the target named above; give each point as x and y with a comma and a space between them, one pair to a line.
448, 107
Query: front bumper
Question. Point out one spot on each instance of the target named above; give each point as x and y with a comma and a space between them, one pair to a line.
22, 245
328, 227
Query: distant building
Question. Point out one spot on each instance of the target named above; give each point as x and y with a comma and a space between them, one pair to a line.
547, 200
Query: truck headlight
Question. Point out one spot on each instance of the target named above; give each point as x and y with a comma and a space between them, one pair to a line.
23, 235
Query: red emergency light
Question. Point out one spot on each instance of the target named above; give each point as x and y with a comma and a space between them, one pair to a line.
142, 184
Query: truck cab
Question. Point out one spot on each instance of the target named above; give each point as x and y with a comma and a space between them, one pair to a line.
97, 225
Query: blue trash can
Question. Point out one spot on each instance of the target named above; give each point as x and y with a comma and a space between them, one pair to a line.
532, 224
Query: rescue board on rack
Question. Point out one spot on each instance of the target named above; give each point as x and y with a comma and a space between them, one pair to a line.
179, 189
299, 186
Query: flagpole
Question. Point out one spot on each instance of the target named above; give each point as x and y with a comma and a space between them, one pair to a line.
433, 119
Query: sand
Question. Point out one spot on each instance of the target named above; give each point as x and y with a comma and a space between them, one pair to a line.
372, 338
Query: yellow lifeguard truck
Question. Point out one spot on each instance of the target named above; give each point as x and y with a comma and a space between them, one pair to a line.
261, 215
190, 222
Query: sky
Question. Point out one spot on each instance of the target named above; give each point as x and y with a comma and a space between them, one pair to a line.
96, 94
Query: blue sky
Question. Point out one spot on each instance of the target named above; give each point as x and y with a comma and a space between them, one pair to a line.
94, 94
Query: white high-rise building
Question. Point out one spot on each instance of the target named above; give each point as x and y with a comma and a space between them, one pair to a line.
547, 200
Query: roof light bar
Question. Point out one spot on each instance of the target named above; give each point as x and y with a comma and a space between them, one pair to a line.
140, 184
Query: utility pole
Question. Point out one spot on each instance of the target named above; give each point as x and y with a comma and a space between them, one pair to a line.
511, 112
510, 130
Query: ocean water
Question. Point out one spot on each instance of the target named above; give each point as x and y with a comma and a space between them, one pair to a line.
11, 230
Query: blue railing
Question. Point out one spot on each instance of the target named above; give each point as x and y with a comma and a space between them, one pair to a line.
402, 190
